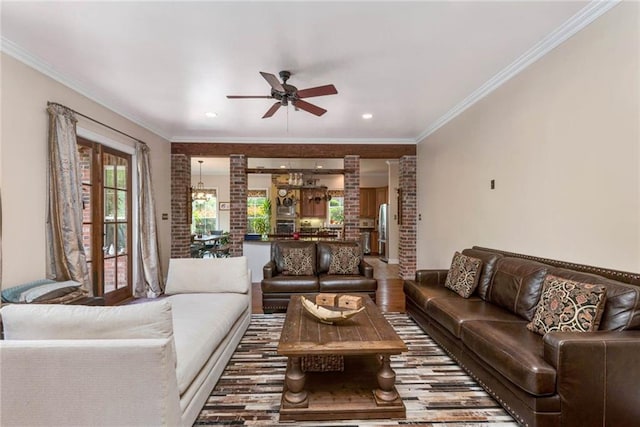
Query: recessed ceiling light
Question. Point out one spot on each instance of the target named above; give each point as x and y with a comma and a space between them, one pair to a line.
283, 166
211, 114
319, 167
367, 116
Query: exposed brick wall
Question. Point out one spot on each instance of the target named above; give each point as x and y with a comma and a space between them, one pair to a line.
238, 213
180, 189
181, 185
352, 197
408, 227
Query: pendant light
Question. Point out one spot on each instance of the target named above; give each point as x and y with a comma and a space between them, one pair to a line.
199, 192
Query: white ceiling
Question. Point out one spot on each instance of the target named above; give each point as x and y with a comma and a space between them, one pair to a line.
164, 64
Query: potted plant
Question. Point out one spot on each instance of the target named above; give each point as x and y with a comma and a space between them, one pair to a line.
261, 226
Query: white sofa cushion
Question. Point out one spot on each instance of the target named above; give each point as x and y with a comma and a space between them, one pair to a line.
50, 321
198, 275
201, 322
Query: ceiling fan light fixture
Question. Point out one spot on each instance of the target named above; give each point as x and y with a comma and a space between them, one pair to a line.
286, 94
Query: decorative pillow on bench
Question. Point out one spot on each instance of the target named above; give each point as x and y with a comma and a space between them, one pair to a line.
39, 291
463, 275
298, 261
566, 305
344, 260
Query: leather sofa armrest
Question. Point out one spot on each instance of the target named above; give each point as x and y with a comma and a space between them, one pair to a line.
432, 277
269, 270
366, 269
597, 376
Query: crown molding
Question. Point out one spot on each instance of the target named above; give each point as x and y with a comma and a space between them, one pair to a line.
249, 140
17, 52
577, 22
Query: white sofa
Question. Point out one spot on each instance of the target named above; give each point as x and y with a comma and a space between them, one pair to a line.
147, 364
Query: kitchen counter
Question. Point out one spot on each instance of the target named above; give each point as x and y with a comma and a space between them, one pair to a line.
302, 236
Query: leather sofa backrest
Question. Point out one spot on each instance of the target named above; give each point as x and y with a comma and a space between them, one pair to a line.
324, 254
622, 306
277, 251
489, 260
517, 285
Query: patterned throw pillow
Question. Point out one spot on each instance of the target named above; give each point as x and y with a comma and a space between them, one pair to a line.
344, 260
463, 275
566, 305
297, 261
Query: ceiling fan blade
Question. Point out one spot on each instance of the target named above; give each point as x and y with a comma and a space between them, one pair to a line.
317, 91
310, 108
272, 110
273, 81
246, 97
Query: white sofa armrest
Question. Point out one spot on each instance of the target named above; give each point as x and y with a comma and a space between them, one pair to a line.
109, 382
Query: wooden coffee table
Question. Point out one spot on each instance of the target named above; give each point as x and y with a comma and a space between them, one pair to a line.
365, 389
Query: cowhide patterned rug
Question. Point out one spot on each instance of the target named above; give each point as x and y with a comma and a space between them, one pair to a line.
435, 390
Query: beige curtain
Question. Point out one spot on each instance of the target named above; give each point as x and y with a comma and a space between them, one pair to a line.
150, 283
66, 258
0, 240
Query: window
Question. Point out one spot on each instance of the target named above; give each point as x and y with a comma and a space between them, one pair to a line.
258, 212
336, 207
204, 213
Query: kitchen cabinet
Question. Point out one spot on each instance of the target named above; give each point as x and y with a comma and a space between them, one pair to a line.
310, 207
381, 197
368, 208
374, 242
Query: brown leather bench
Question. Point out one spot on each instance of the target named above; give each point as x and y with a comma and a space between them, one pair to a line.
314, 269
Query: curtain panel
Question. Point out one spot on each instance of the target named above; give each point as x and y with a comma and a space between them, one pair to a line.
150, 283
66, 258
0, 238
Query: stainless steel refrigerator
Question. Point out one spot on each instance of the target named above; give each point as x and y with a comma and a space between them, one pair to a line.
383, 232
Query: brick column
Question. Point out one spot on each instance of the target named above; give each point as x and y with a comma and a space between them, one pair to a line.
180, 206
238, 214
409, 209
352, 197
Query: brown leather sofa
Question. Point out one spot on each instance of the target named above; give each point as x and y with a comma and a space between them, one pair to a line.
277, 286
559, 379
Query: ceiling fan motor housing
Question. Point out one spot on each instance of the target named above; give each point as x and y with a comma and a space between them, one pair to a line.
289, 94
285, 94
284, 75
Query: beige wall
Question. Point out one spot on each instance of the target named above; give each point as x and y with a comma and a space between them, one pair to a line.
562, 142
24, 121
393, 238
374, 180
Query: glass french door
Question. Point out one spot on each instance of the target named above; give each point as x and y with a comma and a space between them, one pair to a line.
106, 196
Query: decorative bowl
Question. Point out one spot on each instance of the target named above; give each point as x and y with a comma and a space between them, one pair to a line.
328, 315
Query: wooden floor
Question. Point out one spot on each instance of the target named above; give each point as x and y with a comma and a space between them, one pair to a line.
390, 297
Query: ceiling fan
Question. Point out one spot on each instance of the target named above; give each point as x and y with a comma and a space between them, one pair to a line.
286, 94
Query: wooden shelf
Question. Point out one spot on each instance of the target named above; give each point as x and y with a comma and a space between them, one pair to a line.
302, 187
343, 395
279, 171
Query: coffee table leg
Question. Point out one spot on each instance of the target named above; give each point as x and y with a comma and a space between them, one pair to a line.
294, 378
386, 381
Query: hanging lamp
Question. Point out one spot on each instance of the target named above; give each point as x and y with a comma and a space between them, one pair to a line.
199, 192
